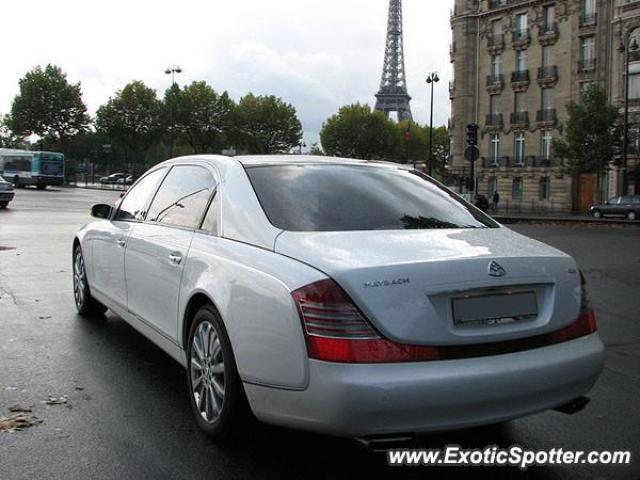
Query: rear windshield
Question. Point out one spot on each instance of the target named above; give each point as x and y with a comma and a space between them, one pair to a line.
327, 198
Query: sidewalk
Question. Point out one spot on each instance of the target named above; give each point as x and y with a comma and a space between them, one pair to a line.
519, 217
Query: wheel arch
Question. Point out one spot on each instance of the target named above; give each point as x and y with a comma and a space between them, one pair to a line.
196, 302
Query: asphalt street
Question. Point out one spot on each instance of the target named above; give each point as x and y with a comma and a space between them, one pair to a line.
127, 414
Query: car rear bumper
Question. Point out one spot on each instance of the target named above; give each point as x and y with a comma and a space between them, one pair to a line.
363, 400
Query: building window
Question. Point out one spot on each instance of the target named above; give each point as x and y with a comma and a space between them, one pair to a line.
545, 186
548, 57
496, 65
588, 11
520, 102
518, 149
494, 148
587, 52
521, 25
496, 28
517, 188
495, 104
549, 18
548, 99
521, 60
492, 186
584, 88
546, 145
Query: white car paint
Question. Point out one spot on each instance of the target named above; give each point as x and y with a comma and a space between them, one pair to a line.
248, 269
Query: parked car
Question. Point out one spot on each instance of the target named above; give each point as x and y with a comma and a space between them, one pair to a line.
353, 298
481, 202
6, 192
627, 206
128, 180
112, 179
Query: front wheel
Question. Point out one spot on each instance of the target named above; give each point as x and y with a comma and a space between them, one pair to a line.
632, 216
596, 214
41, 187
215, 389
85, 303
4, 204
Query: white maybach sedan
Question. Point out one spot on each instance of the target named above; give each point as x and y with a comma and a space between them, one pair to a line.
348, 297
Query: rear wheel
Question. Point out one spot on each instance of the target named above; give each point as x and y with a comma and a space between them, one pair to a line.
85, 303
596, 214
41, 187
215, 389
632, 216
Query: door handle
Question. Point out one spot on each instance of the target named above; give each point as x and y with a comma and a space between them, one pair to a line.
175, 258
121, 242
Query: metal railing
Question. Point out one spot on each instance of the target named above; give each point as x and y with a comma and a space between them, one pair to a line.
520, 76
494, 120
519, 118
546, 115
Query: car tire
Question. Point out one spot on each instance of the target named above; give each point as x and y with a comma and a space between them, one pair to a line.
596, 214
216, 393
87, 305
4, 204
41, 187
632, 216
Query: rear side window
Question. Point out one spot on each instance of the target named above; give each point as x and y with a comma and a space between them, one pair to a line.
182, 197
132, 207
324, 198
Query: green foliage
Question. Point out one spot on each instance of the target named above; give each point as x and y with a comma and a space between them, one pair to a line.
132, 120
202, 117
358, 132
8, 139
266, 125
316, 150
593, 137
48, 106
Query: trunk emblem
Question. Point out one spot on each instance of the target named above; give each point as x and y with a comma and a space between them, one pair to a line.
495, 270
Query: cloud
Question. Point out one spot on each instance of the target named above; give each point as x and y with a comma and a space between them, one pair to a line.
316, 54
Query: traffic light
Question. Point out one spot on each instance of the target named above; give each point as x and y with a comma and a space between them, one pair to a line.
472, 134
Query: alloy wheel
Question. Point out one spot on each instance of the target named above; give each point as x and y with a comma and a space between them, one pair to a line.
79, 279
207, 372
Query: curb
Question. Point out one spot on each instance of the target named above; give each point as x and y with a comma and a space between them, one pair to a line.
507, 219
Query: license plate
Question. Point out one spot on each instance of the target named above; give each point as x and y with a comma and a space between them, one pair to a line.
495, 309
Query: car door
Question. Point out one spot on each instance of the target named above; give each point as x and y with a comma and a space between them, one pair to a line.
110, 239
613, 206
157, 248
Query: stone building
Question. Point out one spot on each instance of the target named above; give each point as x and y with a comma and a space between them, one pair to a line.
517, 64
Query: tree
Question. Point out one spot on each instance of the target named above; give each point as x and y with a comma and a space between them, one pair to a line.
594, 137
48, 106
266, 125
358, 132
131, 120
8, 139
202, 116
441, 148
414, 146
316, 150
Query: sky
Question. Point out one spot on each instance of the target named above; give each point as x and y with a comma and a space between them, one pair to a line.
317, 55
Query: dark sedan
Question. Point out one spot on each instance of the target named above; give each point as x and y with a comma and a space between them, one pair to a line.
627, 206
6, 193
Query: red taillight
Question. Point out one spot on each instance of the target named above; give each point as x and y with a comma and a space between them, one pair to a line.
585, 324
336, 331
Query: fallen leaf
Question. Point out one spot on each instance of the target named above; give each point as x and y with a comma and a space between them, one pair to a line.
19, 409
46, 317
79, 389
18, 421
51, 400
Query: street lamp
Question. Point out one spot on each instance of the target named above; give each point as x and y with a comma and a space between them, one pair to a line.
631, 46
432, 79
173, 70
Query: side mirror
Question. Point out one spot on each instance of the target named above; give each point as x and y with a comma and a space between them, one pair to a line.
101, 211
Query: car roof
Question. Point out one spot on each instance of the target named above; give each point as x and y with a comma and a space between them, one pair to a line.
271, 160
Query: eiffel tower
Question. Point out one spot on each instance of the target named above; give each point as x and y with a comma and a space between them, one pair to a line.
393, 95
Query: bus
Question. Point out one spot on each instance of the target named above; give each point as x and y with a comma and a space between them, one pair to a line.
26, 167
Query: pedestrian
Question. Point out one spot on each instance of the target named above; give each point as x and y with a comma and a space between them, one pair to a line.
495, 201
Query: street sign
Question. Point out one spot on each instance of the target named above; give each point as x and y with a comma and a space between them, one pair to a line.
471, 153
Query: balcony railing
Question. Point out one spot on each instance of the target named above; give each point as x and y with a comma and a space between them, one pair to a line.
497, 3
521, 38
586, 64
546, 115
520, 118
520, 76
494, 79
496, 41
548, 75
490, 162
542, 162
516, 162
494, 120
548, 33
588, 19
